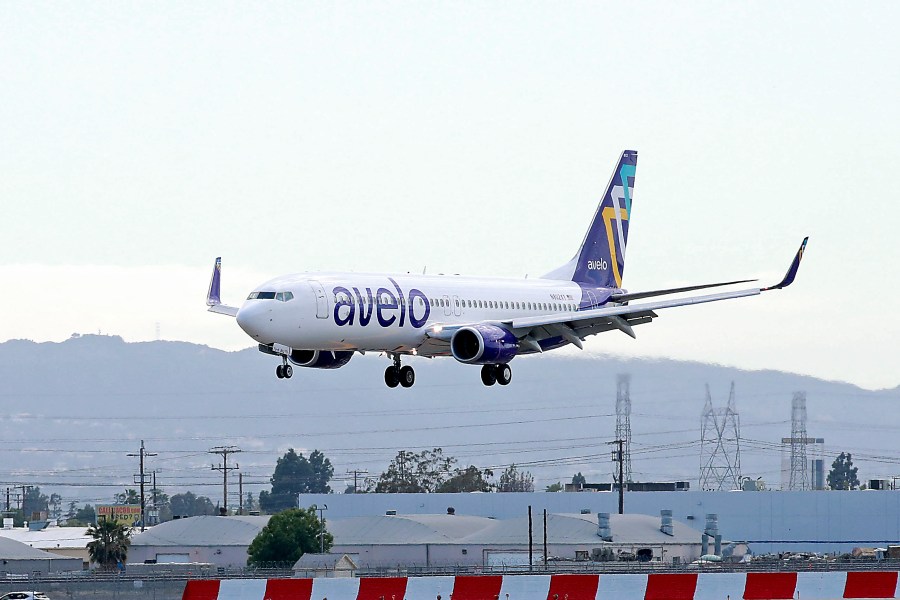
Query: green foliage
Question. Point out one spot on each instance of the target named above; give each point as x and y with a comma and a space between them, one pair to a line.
513, 481
129, 496
295, 474
289, 535
578, 479
415, 473
843, 474
190, 505
85, 515
109, 545
249, 502
555, 487
470, 479
35, 501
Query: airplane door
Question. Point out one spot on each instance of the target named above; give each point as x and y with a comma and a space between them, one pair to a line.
321, 299
447, 309
457, 309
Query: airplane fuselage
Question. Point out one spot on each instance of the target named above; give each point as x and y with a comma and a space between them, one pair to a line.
377, 312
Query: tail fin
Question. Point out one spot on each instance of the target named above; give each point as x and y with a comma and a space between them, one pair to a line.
600, 260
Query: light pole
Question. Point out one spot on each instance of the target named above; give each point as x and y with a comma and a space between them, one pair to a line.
321, 510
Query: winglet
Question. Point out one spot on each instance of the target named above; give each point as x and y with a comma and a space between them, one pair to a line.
213, 297
792, 270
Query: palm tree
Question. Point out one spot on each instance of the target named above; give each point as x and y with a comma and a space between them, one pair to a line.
110, 544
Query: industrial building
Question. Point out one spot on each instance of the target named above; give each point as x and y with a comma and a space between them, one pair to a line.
17, 558
48, 536
769, 521
449, 540
222, 541
434, 541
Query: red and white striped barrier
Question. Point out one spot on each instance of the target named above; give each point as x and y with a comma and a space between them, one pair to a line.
656, 586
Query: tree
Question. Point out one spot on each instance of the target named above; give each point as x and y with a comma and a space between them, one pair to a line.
578, 479
55, 506
843, 474
415, 473
295, 474
190, 505
555, 487
470, 479
289, 535
250, 502
35, 502
513, 481
129, 496
109, 546
85, 515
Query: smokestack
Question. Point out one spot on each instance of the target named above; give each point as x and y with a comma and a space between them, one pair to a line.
665, 522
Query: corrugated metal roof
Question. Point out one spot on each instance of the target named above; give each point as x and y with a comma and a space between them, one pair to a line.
202, 531
582, 529
460, 529
49, 538
13, 550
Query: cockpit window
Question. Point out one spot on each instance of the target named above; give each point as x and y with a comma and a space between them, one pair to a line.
261, 296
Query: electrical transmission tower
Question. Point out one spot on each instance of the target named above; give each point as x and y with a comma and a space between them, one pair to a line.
720, 445
799, 479
623, 423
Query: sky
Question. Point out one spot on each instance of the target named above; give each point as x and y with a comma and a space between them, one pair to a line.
140, 141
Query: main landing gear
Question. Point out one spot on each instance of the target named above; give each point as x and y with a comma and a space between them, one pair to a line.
284, 370
396, 375
491, 374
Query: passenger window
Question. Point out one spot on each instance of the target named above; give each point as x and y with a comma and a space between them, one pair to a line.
457, 302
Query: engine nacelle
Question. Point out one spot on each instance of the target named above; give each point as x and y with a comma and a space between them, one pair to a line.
483, 345
320, 359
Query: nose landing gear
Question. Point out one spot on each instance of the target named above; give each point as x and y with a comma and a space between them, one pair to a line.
396, 375
284, 371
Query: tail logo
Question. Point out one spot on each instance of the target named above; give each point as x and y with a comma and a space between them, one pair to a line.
609, 213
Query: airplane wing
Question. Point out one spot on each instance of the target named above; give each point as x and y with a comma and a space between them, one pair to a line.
213, 299
575, 326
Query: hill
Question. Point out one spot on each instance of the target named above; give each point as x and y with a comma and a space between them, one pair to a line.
73, 410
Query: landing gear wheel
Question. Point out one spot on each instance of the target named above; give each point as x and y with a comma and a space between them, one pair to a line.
392, 377
488, 375
503, 373
279, 371
288, 371
407, 376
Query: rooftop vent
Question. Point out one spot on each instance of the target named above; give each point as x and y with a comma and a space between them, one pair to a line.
665, 522
603, 529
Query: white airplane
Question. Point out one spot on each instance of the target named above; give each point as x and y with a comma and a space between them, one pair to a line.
319, 320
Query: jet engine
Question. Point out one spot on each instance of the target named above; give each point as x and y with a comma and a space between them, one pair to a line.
321, 359
483, 345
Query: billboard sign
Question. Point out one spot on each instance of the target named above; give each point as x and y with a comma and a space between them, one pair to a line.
127, 514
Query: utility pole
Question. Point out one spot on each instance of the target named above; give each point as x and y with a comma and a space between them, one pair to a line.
224, 468
240, 494
619, 457
142, 454
321, 510
356, 473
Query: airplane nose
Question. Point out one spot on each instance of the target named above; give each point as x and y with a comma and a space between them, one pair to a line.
253, 318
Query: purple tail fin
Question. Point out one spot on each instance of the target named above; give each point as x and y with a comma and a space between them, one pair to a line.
600, 261
213, 297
